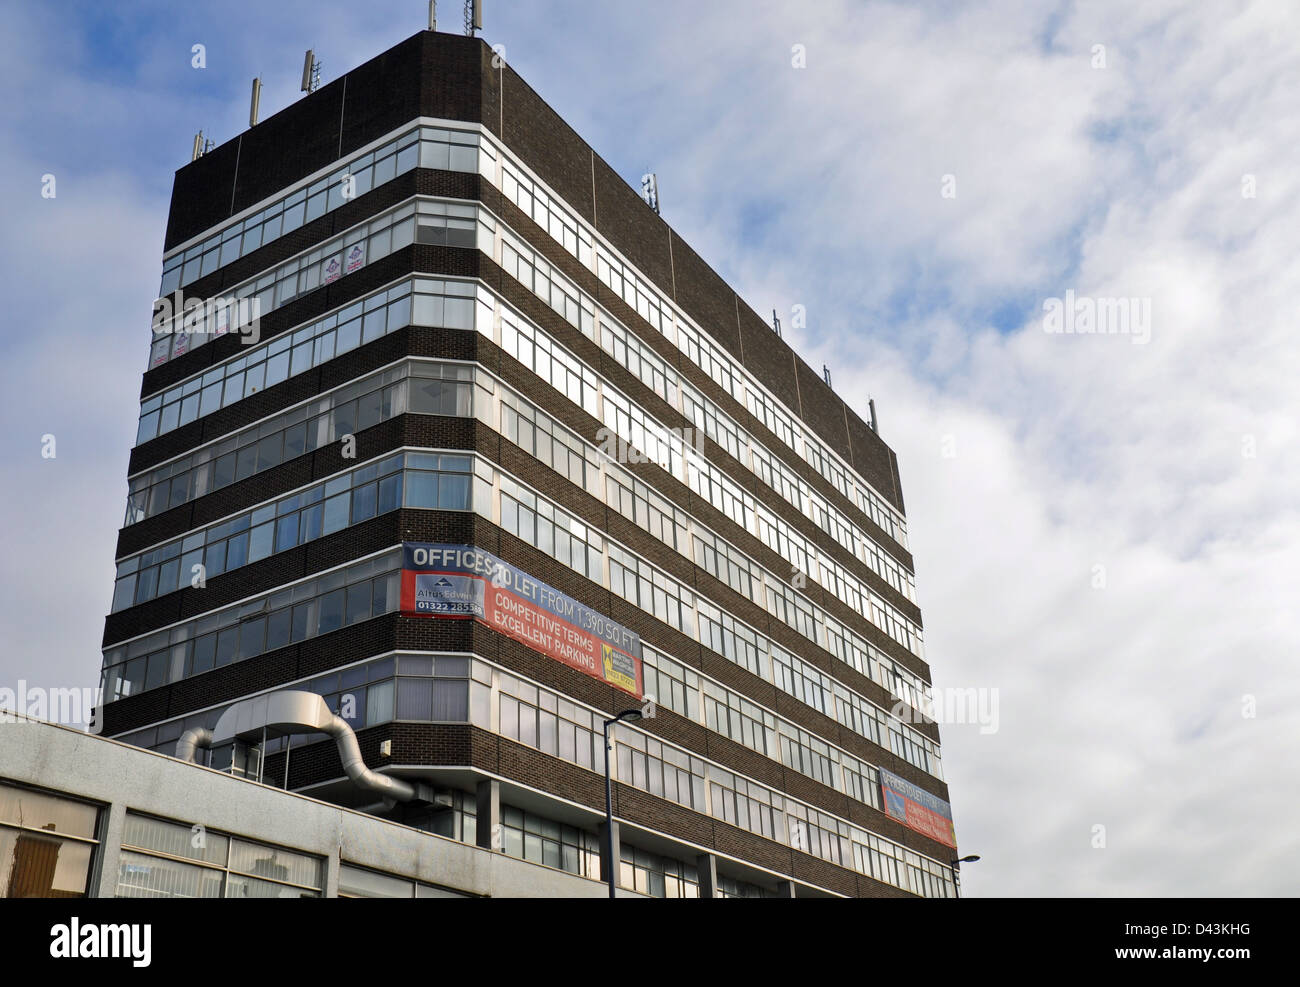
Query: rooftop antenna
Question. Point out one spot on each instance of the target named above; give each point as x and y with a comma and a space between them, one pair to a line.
871, 407
433, 15
776, 324
310, 72
254, 102
473, 16
202, 146
650, 190
826, 374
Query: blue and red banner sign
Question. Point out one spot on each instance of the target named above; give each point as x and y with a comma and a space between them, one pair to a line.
463, 581
917, 809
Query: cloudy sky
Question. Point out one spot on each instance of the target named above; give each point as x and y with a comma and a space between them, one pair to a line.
1105, 525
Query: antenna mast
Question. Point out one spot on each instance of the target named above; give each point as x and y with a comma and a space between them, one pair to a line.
254, 102
310, 72
202, 146
650, 190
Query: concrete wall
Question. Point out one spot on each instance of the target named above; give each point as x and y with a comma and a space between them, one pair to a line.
122, 778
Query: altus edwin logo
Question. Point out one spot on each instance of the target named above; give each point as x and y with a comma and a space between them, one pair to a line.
75, 941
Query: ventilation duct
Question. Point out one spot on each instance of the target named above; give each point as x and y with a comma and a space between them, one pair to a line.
294, 711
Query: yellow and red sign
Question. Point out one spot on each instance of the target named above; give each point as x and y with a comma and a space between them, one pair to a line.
917, 809
462, 581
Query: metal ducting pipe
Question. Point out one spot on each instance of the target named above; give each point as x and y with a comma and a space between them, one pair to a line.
294, 711
355, 768
191, 740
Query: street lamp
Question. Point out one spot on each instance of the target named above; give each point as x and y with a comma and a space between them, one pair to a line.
630, 715
956, 881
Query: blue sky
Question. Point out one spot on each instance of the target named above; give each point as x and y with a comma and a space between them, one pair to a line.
1029, 460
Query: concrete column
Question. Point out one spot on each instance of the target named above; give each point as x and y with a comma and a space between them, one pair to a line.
707, 866
103, 879
488, 820
333, 870
604, 863
785, 889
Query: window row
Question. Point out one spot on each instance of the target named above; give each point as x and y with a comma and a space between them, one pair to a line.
443, 481
433, 388
702, 350
427, 147
300, 517
546, 211
666, 447
442, 304
420, 221
545, 720
531, 517
429, 481
314, 606
162, 859
650, 765
361, 882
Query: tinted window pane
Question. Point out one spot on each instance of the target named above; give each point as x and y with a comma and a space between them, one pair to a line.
363, 503
331, 611
336, 513
205, 651
358, 602
286, 532
277, 629
414, 699
252, 637
237, 550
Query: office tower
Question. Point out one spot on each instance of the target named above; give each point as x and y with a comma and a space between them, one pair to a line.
444, 424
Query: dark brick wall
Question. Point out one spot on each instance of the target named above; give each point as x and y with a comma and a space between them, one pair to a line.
547, 144
644, 238
437, 75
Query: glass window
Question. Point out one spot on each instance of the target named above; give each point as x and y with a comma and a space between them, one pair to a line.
47, 812
40, 855
336, 513
331, 611
414, 699
205, 653
355, 882
363, 503
277, 629
358, 605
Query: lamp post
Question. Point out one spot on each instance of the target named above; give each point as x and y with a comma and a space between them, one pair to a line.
956, 881
610, 863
